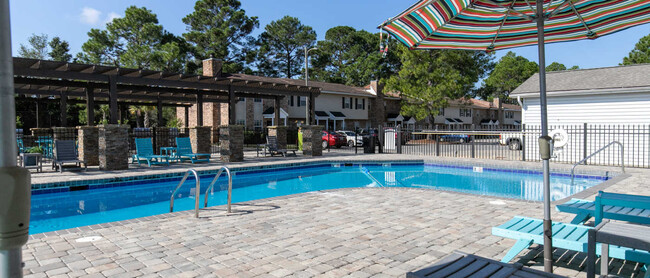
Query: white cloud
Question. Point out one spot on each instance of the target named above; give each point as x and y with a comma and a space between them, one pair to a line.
111, 16
89, 16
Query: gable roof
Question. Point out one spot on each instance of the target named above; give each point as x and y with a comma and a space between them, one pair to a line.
327, 87
588, 80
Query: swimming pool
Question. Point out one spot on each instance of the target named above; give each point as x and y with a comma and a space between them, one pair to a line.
121, 201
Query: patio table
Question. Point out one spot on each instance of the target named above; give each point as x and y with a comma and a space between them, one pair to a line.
616, 233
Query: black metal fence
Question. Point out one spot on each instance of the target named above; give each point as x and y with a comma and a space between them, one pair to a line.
161, 137
474, 142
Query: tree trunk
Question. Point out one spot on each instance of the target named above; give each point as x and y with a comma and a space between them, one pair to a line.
146, 119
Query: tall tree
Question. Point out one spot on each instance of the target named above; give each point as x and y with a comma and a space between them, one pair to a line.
60, 50
508, 74
221, 29
555, 66
640, 54
282, 46
428, 79
351, 57
36, 48
136, 40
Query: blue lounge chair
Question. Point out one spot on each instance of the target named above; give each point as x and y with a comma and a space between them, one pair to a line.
632, 208
144, 149
566, 236
184, 151
460, 264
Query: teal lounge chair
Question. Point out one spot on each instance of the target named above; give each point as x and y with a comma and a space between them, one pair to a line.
184, 151
144, 149
566, 236
615, 206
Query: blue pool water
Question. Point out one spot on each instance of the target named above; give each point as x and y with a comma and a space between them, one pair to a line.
55, 211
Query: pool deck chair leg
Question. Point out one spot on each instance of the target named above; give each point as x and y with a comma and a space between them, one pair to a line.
581, 218
519, 246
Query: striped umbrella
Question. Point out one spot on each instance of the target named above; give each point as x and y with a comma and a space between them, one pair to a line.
499, 24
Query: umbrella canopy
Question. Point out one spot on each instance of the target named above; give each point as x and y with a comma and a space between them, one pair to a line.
499, 24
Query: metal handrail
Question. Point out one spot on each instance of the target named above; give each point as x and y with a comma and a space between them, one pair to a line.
596, 152
198, 191
205, 203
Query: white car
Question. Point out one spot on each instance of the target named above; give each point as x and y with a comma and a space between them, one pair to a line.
350, 137
512, 139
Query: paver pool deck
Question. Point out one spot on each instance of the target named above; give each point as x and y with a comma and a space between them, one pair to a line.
358, 232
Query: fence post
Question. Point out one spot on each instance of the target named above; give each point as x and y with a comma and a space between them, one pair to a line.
523, 142
437, 144
380, 137
584, 142
471, 140
398, 138
154, 137
356, 149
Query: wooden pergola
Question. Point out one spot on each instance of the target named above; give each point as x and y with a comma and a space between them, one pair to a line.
115, 86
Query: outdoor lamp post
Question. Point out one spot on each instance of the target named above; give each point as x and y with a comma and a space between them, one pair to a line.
307, 114
15, 183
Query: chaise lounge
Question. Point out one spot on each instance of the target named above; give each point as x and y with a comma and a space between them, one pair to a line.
144, 149
184, 151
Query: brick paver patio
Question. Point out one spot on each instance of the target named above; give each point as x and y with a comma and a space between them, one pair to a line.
364, 232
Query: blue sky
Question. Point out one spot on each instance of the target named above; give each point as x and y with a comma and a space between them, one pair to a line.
72, 19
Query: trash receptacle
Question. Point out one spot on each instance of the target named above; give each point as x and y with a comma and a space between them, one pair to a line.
368, 144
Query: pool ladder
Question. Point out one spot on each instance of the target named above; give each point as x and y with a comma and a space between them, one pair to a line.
198, 189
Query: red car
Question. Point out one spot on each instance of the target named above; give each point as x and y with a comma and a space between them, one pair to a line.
335, 140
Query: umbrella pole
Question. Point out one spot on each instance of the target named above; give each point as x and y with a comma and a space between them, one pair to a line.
15, 189
548, 242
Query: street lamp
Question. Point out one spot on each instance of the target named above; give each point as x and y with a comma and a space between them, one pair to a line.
307, 114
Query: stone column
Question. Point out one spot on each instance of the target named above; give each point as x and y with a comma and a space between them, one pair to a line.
231, 138
279, 132
200, 139
89, 144
113, 147
64, 133
312, 140
36, 132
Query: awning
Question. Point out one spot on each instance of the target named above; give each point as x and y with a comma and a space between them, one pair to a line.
517, 123
269, 113
394, 117
335, 115
458, 120
321, 115
410, 120
450, 121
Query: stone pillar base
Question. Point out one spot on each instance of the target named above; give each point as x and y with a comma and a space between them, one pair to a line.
200, 139
311, 140
280, 132
36, 132
89, 144
231, 139
113, 147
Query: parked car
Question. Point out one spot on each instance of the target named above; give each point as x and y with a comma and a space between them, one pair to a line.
352, 138
460, 138
334, 139
512, 139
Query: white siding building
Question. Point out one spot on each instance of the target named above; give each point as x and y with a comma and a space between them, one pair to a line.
600, 105
615, 95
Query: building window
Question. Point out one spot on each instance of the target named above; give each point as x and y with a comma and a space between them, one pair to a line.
465, 112
303, 101
241, 122
258, 123
358, 104
346, 103
258, 100
241, 99
510, 114
441, 111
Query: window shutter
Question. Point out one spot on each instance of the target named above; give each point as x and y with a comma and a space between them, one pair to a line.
351, 102
298, 101
356, 103
342, 102
363, 104
291, 100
